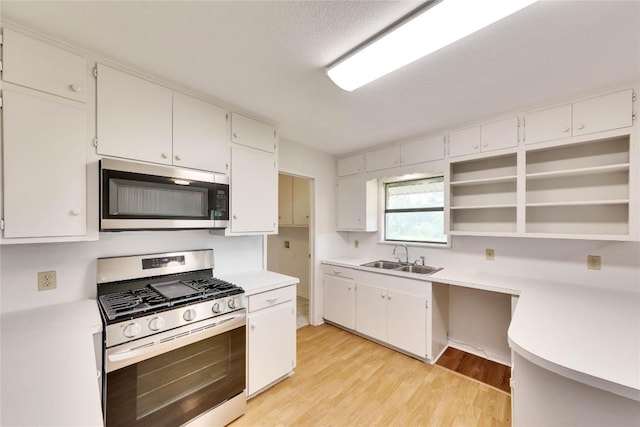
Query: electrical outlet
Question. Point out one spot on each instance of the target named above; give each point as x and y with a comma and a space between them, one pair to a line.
356, 244
287, 244
46, 280
593, 262
488, 253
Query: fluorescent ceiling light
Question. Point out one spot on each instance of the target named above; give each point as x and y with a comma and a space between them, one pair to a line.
436, 27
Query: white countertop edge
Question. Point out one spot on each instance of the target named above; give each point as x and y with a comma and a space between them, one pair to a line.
258, 281
581, 377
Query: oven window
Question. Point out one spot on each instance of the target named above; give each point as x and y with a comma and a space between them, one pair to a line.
177, 386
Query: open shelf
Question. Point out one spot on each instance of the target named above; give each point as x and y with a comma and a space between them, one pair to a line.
582, 203
483, 207
495, 180
484, 220
595, 170
577, 219
485, 169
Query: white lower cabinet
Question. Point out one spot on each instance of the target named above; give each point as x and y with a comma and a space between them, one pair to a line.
394, 310
339, 296
410, 315
271, 337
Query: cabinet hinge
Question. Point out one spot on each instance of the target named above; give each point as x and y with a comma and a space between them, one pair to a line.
426, 304
0, 102
1, 39
95, 142
227, 116
633, 95
1, 66
95, 72
1, 224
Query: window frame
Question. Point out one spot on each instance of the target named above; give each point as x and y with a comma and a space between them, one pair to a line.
384, 211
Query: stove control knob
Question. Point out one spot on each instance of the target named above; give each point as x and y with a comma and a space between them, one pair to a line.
189, 315
216, 308
132, 329
233, 302
156, 323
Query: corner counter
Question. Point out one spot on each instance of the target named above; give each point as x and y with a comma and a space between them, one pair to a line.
48, 370
587, 334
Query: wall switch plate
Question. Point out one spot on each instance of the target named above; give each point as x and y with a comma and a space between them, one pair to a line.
287, 244
46, 280
489, 254
593, 262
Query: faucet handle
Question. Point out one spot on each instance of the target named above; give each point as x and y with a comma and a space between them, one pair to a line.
421, 260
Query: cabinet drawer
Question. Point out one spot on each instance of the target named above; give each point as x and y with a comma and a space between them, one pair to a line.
271, 298
38, 65
338, 271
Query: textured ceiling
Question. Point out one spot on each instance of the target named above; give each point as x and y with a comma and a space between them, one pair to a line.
269, 58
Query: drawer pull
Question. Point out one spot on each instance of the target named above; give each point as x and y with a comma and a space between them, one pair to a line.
272, 300
336, 272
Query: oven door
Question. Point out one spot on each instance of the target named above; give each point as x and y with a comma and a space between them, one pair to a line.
173, 377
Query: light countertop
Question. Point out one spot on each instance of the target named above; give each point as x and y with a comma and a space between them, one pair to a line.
48, 368
590, 335
257, 281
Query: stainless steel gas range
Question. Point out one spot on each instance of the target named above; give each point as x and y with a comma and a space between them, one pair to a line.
174, 341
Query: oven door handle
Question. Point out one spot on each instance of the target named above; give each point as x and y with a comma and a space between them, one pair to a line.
171, 340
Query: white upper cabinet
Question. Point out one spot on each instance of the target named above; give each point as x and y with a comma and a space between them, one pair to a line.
425, 150
357, 204
487, 137
383, 159
251, 133
464, 141
254, 191
612, 111
602, 113
351, 165
199, 134
410, 153
38, 65
499, 134
134, 117
44, 165
547, 125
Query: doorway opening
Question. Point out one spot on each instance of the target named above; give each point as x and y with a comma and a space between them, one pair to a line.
289, 251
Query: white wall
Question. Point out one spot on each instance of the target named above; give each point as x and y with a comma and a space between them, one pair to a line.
75, 263
299, 160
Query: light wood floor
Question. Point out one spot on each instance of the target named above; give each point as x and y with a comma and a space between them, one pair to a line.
344, 380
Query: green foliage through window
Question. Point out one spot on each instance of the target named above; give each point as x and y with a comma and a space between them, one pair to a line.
414, 211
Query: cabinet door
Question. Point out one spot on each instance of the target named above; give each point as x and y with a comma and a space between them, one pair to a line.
464, 141
340, 300
351, 165
371, 311
382, 159
499, 134
547, 125
423, 151
38, 65
606, 112
300, 201
199, 134
251, 133
254, 191
351, 203
285, 199
134, 117
271, 345
44, 164
407, 322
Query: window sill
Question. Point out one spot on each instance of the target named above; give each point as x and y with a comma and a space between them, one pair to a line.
417, 244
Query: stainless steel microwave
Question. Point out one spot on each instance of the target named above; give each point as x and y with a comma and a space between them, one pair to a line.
137, 196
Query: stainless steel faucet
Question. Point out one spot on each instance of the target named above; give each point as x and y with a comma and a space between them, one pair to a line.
406, 260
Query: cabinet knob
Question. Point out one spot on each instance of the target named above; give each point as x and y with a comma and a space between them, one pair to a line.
388, 296
581, 126
475, 147
75, 88
349, 287
164, 155
253, 326
382, 296
566, 130
178, 158
235, 217
486, 145
235, 135
75, 212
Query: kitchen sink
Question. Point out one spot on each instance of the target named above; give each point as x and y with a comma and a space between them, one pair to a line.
387, 265
420, 269
400, 266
